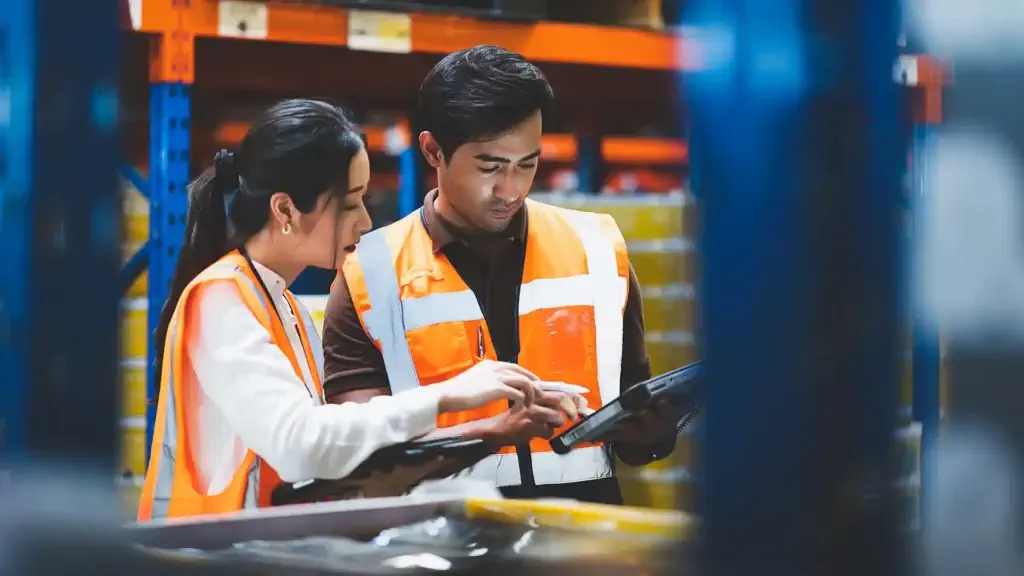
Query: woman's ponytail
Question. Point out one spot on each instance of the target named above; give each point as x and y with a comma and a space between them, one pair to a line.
206, 238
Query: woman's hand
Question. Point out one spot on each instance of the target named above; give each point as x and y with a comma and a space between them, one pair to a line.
484, 383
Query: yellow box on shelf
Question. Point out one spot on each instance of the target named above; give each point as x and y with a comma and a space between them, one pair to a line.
136, 227
663, 262
130, 490
665, 489
669, 308
140, 287
642, 217
907, 379
133, 446
133, 382
667, 484
135, 213
134, 327
670, 350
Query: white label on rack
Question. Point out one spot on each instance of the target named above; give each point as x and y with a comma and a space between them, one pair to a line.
242, 19
379, 31
133, 423
905, 71
135, 11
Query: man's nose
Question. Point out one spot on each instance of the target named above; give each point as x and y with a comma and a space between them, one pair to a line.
508, 189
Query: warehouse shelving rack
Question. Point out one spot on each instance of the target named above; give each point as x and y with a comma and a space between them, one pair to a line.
174, 26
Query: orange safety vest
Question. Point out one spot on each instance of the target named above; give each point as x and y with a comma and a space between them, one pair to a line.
429, 326
170, 490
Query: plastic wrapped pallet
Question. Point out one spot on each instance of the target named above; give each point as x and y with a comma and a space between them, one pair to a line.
455, 533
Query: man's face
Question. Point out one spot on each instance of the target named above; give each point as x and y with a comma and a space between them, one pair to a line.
486, 183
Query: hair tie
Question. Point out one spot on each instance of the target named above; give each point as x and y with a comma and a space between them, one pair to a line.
224, 167
226, 175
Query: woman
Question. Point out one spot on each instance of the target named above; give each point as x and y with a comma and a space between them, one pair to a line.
241, 407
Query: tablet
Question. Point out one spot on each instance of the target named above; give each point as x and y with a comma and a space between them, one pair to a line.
682, 387
451, 455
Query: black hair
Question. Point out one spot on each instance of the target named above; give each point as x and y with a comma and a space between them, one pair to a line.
479, 94
303, 148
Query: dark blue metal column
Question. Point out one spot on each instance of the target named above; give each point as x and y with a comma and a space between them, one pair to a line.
59, 222
927, 361
796, 116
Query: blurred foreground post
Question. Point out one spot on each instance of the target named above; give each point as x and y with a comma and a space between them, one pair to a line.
59, 240
798, 159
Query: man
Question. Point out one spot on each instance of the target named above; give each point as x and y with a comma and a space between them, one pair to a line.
479, 273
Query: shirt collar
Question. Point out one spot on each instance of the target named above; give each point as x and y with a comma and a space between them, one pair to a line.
274, 282
443, 233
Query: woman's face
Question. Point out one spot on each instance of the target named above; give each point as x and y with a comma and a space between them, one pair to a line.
333, 228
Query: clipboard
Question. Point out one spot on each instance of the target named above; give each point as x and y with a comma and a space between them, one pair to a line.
452, 455
682, 387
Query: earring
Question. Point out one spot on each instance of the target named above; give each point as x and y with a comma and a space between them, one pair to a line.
287, 228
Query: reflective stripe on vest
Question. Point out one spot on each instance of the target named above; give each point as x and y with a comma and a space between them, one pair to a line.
384, 321
169, 489
602, 286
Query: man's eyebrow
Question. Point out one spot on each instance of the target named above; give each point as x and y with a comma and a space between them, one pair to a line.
503, 160
355, 189
531, 155
489, 158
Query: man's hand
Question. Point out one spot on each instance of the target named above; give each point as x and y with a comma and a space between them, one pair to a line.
523, 423
650, 426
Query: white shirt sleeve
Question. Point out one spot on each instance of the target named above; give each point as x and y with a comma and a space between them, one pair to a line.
251, 382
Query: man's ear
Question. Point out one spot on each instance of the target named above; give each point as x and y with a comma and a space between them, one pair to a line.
431, 149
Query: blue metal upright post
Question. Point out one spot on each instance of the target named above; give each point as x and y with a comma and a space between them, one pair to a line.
59, 233
926, 346
410, 180
796, 114
588, 160
170, 108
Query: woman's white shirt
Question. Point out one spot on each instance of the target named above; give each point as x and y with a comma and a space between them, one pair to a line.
249, 398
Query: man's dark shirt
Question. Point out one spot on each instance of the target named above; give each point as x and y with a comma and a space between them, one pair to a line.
491, 264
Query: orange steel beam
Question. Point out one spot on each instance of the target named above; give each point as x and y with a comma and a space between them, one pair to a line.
932, 77
441, 34
554, 147
172, 51
650, 151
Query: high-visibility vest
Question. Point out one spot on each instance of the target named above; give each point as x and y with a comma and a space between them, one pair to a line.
170, 489
429, 326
